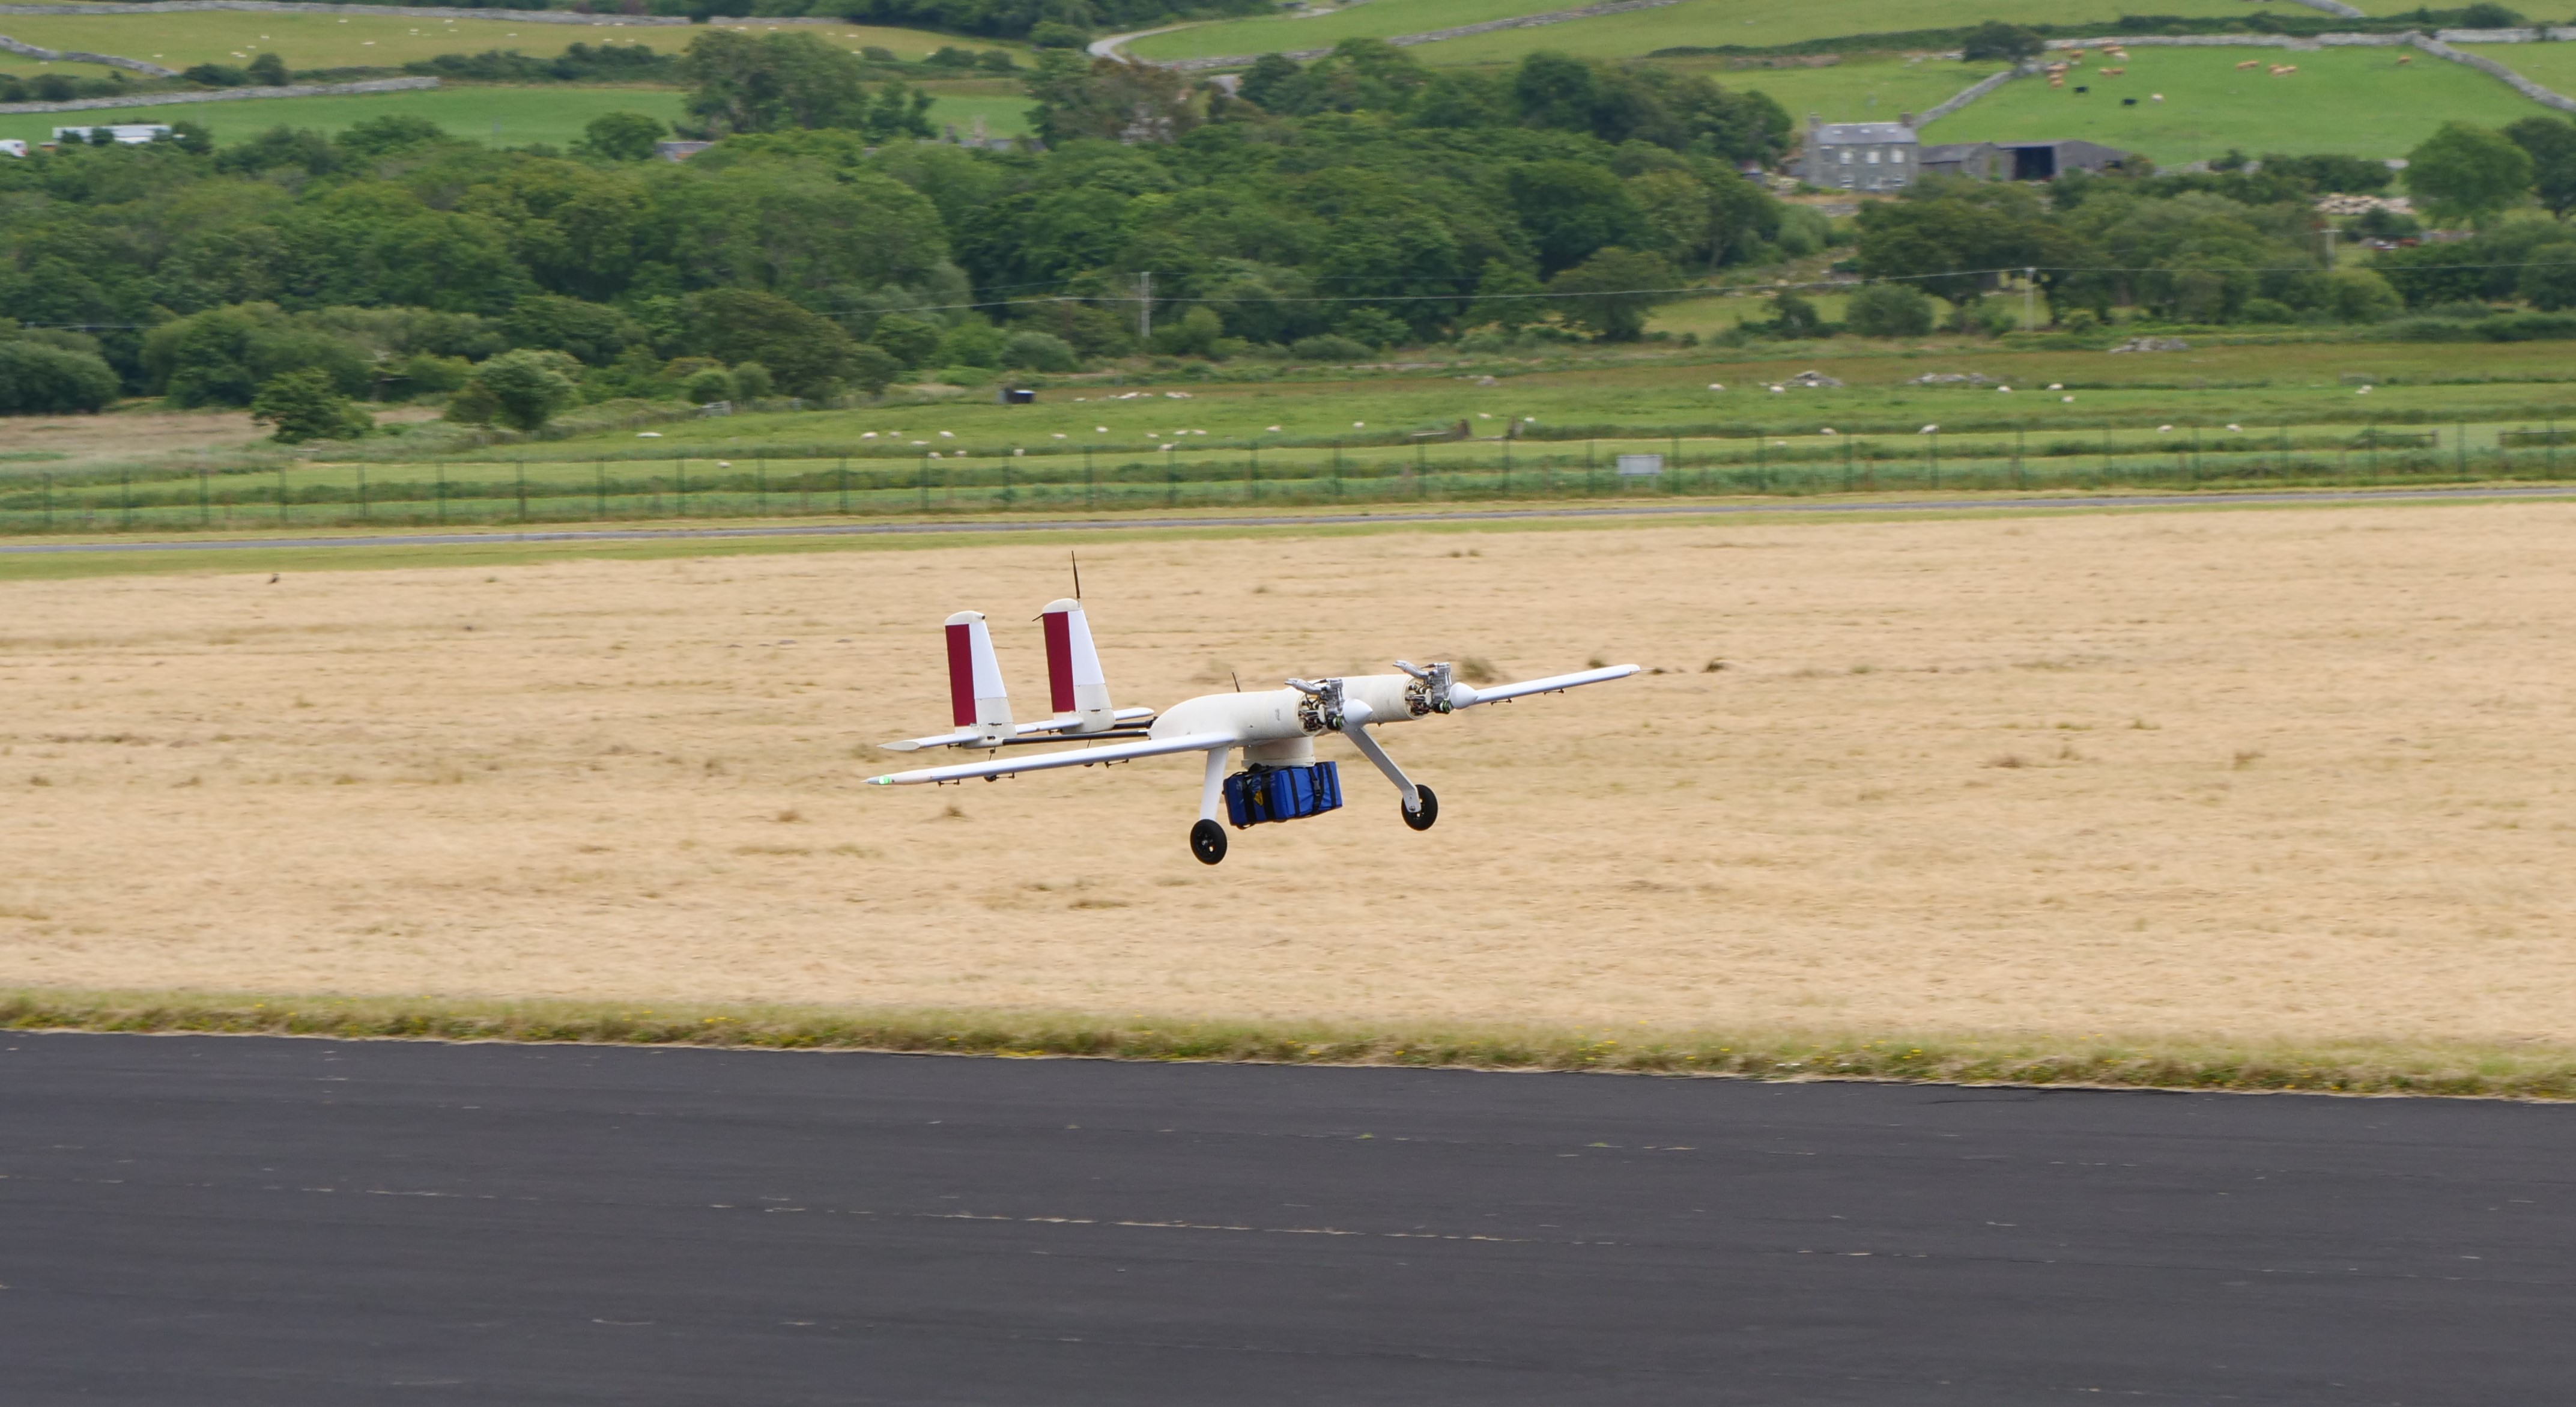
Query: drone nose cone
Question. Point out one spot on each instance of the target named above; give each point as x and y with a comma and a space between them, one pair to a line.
1356, 712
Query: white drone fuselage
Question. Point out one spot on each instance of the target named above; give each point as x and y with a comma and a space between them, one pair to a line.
1276, 729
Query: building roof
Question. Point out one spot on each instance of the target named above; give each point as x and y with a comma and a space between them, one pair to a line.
1953, 151
1844, 134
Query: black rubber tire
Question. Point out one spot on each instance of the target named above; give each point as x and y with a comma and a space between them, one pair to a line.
1207, 841
1423, 819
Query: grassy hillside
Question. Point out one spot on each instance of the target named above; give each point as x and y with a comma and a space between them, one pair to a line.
340, 41
1873, 90
2357, 101
503, 115
1702, 22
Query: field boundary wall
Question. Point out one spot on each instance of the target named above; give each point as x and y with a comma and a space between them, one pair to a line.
76, 56
281, 7
228, 95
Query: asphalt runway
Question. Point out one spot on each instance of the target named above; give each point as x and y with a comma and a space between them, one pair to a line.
907, 528
211, 1220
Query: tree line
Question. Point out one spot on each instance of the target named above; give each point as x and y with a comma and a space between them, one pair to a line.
825, 247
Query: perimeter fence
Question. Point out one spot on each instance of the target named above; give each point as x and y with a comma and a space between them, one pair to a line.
1236, 475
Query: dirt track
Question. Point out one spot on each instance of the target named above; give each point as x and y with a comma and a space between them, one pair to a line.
2258, 774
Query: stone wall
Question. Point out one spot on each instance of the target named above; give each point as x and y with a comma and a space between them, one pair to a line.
228, 95
75, 56
280, 7
1971, 93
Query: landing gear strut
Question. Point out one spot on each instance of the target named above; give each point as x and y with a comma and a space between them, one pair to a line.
1207, 841
1421, 820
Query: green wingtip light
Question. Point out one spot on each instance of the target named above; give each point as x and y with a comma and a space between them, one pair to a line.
885, 781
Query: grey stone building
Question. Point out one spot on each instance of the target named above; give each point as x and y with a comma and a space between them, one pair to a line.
2015, 161
1860, 156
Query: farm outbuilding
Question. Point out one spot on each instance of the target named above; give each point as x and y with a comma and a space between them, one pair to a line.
2016, 161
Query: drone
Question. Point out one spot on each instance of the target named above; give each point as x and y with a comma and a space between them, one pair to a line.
1276, 729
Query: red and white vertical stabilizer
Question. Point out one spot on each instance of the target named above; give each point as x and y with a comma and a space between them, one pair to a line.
977, 701
1079, 691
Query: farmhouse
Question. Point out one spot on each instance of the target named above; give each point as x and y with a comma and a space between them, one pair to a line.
1859, 156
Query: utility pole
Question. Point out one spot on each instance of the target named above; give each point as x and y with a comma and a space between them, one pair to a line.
1145, 307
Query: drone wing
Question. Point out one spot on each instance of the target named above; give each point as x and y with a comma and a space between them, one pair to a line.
1464, 696
1071, 757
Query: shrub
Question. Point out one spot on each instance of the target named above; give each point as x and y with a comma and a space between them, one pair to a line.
1330, 347
270, 70
39, 380
708, 386
1373, 325
2360, 296
2266, 310
526, 388
973, 344
752, 382
1039, 351
2549, 280
1196, 333
1889, 310
304, 405
213, 75
2079, 320
1054, 34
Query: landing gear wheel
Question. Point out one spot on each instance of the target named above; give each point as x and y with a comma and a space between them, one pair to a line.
1421, 820
1207, 841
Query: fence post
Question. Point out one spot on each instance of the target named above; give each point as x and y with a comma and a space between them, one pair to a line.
281, 494
1847, 466
364, 511
845, 485
1171, 483
1761, 460
680, 489
129, 498
49, 502
760, 486
599, 486
523, 491
442, 491
2021, 442
2460, 446
2553, 447
206, 494
1932, 456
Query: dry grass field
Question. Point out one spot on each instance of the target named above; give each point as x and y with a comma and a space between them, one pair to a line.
2296, 776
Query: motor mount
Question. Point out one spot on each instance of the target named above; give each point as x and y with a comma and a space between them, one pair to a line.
1323, 709
1429, 691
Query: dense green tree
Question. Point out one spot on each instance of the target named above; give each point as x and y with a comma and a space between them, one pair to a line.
305, 405
910, 341
2550, 142
621, 136
810, 355
1571, 210
1508, 297
270, 70
590, 332
773, 82
1997, 41
2466, 172
390, 135
2548, 282
1610, 293
1110, 99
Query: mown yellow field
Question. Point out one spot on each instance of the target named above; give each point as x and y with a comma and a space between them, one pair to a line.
2242, 775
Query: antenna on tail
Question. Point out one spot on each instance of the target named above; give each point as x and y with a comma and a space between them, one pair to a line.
1076, 559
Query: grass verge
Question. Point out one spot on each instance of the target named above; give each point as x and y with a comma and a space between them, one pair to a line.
2357, 1067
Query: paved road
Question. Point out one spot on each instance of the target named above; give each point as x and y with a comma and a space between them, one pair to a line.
1297, 520
210, 1221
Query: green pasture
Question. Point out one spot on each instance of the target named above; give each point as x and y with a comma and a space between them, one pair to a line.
2552, 66
2292, 383
386, 41
552, 489
1874, 89
504, 115
2355, 101
1757, 23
